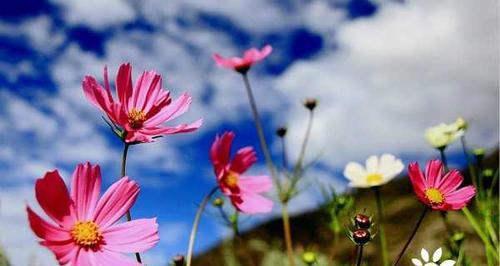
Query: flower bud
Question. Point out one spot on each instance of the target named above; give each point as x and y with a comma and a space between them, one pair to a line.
479, 153
457, 238
361, 236
488, 172
310, 103
218, 202
309, 257
362, 221
461, 123
281, 132
178, 260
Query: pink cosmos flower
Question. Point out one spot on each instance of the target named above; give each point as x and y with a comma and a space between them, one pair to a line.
242, 65
83, 231
242, 190
141, 109
437, 190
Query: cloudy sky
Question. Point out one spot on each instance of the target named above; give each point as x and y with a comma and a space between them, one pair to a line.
383, 71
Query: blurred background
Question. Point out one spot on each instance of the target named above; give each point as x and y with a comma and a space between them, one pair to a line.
383, 71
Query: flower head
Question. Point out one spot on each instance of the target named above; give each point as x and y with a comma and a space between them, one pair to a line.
442, 135
141, 109
83, 230
243, 64
378, 171
436, 256
437, 190
244, 191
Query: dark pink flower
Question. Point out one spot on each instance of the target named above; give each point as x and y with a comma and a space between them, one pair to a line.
244, 191
437, 190
141, 109
84, 229
243, 64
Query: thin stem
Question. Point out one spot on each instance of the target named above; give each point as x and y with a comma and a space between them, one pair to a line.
359, 255
284, 153
443, 159
123, 173
288, 235
258, 126
488, 246
383, 243
422, 216
298, 165
196, 222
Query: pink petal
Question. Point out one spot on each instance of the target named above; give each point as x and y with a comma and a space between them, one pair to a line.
85, 190
220, 151
100, 97
65, 251
145, 86
115, 202
433, 172
253, 55
182, 128
124, 84
451, 181
255, 184
227, 63
45, 230
171, 111
417, 179
460, 198
134, 236
244, 159
50, 189
252, 203
109, 258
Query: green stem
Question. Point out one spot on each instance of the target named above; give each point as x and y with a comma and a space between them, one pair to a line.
288, 235
284, 154
475, 225
413, 233
359, 255
298, 165
123, 173
383, 243
196, 222
443, 159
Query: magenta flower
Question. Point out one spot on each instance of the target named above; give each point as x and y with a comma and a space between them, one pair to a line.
242, 65
84, 230
142, 109
244, 191
437, 191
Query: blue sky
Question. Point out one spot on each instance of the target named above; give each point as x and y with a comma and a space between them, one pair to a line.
383, 71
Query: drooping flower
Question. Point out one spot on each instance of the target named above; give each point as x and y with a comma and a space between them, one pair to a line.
436, 256
442, 135
84, 229
378, 171
243, 64
141, 109
244, 191
437, 190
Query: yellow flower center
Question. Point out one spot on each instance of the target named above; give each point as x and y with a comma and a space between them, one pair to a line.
434, 196
231, 180
136, 118
374, 179
86, 234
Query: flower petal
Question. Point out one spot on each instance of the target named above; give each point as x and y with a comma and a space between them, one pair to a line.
145, 86
460, 198
389, 166
226, 63
451, 181
448, 263
51, 189
85, 190
252, 203
115, 202
437, 255
65, 251
416, 262
256, 184
417, 180
134, 236
171, 111
244, 159
45, 230
372, 164
355, 172
111, 258
433, 172
220, 151
99, 96
124, 84
425, 255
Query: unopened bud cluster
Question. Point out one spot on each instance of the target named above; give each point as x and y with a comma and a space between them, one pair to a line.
362, 232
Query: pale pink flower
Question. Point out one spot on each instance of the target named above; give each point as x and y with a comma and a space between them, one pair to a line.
141, 109
437, 190
244, 191
243, 64
84, 229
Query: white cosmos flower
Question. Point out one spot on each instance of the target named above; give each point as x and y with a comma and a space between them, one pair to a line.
443, 134
378, 171
436, 256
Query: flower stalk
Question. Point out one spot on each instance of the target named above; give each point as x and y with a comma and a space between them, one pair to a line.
380, 212
196, 222
413, 233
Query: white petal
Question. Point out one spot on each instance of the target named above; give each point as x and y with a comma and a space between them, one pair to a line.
425, 255
390, 166
416, 262
354, 172
437, 255
372, 164
448, 263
